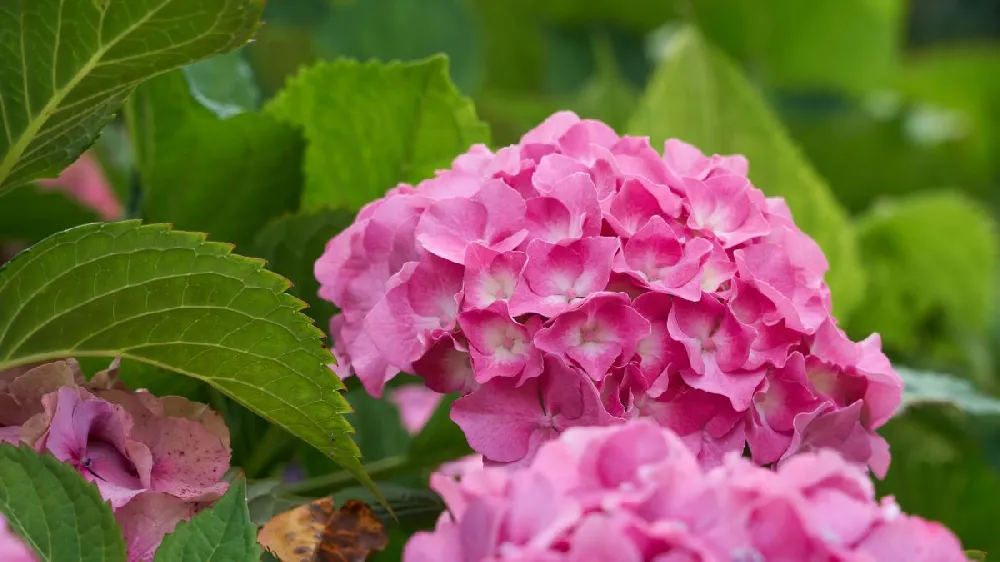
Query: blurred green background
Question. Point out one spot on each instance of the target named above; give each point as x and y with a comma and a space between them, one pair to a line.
878, 120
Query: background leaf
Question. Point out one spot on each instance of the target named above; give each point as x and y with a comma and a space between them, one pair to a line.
371, 126
67, 67
30, 213
933, 273
223, 176
224, 84
222, 533
60, 515
291, 244
698, 96
935, 388
173, 300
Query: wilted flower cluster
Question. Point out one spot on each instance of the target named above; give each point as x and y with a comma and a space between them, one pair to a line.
581, 278
636, 492
157, 461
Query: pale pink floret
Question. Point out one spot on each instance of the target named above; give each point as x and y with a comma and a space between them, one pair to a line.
636, 492
416, 405
85, 181
669, 284
12, 547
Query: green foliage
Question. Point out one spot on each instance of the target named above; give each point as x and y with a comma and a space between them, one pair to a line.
389, 30
58, 514
175, 301
30, 213
932, 263
371, 126
441, 440
200, 172
698, 96
67, 67
291, 244
224, 84
847, 44
934, 388
222, 533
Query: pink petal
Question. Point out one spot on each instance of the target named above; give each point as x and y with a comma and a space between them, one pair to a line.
725, 207
490, 276
500, 346
12, 547
416, 405
549, 131
658, 259
601, 331
557, 276
447, 367
147, 519
632, 207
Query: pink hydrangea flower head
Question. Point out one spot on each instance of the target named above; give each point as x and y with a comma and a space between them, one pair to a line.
651, 285
12, 548
636, 492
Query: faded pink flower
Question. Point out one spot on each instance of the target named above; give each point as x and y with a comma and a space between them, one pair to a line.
666, 286
85, 181
416, 405
155, 460
636, 492
12, 547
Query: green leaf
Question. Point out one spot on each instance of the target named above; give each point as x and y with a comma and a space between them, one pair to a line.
224, 84
222, 533
407, 31
414, 509
922, 387
67, 67
371, 126
848, 44
933, 272
975, 555
698, 96
175, 301
57, 513
291, 244
265, 501
30, 213
160, 382
225, 177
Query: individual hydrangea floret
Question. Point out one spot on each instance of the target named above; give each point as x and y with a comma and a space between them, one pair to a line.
636, 492
582, 278
156, 461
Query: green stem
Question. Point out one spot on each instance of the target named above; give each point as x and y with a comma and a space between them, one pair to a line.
383, 468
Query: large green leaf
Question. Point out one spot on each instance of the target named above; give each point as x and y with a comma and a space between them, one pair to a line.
405, 30
933, 272
173, 300
61, 516
698, 96
291, 245
371, 126
227, 177
224, 84
223, 533
67, 67
843, 44
29, 213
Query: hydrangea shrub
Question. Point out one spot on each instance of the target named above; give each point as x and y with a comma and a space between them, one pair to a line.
636, 492
581, 278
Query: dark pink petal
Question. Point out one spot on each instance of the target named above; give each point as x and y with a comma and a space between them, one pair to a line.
798, 297
718, 347
632, 207
500, 346
603, 330
658, 259
447, 367
840, 429
557, 276
726, 208
658, 351
148, 518
569, 211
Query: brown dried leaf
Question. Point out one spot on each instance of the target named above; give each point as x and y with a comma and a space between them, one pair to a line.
317, 532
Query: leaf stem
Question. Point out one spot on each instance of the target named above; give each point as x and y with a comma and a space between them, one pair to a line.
382, 468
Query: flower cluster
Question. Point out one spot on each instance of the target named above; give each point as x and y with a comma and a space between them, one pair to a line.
157, 461
636, 492
581, 278
12, 548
